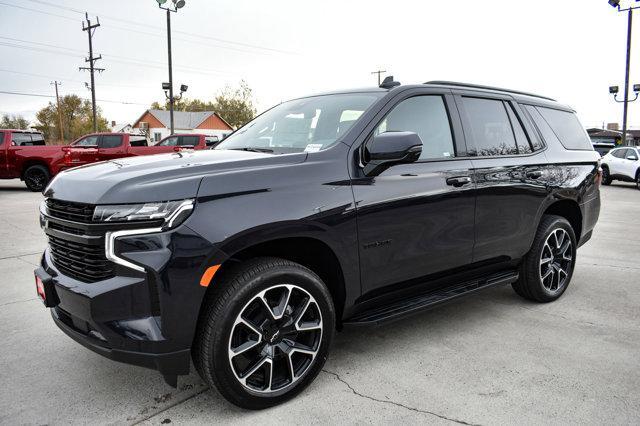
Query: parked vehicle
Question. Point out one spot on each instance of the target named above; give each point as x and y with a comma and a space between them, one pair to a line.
345, 209
36, 165
603, 148
22, 155
621, 164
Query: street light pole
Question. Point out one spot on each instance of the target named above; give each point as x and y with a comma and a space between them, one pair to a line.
170, 70
177, 4
626, 79
616, 4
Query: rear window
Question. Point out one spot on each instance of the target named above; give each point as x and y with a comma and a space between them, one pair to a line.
567, 128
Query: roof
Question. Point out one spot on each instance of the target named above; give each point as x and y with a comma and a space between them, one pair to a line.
184, 120
20, 131
452, 85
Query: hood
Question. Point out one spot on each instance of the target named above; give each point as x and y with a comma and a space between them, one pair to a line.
152, 178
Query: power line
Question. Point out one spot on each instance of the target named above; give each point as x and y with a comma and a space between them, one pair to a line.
264, 52
217, 39
124, 59
49, 77
40, 95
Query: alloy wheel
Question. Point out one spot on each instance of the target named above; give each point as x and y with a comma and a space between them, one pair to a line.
35, 179
275, 338
556, 260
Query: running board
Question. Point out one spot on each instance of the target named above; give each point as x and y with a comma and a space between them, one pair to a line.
422, 302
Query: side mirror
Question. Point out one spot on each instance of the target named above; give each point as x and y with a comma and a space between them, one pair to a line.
632, 157
391, 148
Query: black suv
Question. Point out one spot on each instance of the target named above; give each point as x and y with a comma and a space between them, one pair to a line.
348, 208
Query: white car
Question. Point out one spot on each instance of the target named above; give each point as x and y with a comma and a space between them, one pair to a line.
621, 164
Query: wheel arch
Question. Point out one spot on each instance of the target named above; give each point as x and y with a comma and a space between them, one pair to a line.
34, 162
313, 253
570, 210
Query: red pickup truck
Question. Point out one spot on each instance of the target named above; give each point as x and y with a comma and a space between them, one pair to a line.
23, 154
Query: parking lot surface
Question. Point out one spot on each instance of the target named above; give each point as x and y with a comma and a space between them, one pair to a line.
486, 359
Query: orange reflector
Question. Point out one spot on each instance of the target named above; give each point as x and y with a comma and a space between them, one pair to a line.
208, 275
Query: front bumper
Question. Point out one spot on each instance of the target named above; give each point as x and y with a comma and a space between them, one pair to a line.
141, 318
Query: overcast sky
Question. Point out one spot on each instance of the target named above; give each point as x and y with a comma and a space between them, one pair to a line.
571, 50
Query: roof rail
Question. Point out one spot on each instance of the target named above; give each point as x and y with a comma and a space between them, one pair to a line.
478, 86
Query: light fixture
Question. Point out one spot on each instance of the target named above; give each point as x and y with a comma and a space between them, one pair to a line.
183, 87
166, 86
179, 4
636, 88
161, 1
614, 3
614, 90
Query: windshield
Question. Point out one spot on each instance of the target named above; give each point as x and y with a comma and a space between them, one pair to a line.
308, 124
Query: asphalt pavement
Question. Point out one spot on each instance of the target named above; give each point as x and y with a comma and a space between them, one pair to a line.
491, 358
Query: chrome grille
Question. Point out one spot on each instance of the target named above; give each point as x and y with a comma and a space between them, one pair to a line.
76, 246
67, 210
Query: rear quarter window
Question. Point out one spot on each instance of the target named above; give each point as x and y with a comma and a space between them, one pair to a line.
566, 127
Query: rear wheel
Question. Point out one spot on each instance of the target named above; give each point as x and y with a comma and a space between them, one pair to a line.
638, 179
36, 178
606, 176
547, 269
265, 332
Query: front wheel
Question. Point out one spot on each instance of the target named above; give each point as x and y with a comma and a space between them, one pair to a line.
265, 332
36, 178
547, 269
638, 179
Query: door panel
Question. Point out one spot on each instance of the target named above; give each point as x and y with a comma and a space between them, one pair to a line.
416, 220
411, 223
629, 167
509, 194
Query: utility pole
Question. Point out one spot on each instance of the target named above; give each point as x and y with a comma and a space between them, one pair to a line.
56, 83
379, 72
90, 29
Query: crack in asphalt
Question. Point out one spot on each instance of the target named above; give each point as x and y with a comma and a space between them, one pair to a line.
18, 301
20, 255
169, 406
397, 404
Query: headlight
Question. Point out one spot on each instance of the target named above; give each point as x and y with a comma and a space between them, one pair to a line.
172, 212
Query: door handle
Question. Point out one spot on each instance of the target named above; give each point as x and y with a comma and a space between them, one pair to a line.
458, 181
535, 174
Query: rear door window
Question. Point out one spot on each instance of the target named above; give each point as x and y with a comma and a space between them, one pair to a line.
189, 140
110, 141
567, 129
489, 127
522, 140
37, 139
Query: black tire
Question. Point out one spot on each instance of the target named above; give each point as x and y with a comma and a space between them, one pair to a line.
237, 292
638, 179
36, 178
531, 285
606, 176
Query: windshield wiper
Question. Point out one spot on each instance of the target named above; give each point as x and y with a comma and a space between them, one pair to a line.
252, 149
